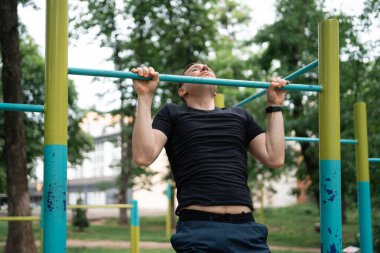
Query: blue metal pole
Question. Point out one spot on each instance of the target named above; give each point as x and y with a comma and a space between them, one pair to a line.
21, 107
189, 79
305, 139
289, 78
374, 160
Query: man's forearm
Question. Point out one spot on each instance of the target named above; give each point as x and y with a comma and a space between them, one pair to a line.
275, 139
143, 137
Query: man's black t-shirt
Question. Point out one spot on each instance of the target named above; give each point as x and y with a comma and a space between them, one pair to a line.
207, 152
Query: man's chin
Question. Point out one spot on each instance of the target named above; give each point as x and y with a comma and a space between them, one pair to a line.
207, 76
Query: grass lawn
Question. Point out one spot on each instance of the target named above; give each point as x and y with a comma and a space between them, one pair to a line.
294, 226
84, 250
288, 226
81, 250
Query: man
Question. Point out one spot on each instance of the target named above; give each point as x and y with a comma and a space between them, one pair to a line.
207, 150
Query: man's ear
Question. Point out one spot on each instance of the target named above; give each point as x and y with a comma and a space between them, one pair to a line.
182, 92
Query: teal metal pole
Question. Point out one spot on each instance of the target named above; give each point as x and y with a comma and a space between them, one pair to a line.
21, 107
288, 77
374, 160
305, 139
189, 79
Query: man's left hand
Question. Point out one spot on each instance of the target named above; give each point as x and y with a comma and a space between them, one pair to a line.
275, 96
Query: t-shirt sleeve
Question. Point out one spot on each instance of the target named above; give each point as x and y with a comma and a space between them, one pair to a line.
253, 128
162, 121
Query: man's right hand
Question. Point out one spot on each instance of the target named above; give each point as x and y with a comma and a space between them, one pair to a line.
142, 87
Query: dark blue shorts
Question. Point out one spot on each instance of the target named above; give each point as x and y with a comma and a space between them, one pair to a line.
220, 237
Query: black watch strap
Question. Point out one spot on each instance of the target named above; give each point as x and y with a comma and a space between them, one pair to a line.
271, 109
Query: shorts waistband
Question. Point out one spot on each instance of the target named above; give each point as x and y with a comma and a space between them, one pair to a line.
195, 215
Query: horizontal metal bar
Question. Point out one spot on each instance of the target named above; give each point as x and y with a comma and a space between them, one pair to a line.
301, 139
305, 139
189, 79
301, 71
19, 218
99, 206
21, 107
348, 141
288, 77
250, 98
374, 160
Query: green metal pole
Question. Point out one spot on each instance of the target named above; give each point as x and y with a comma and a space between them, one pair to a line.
56, 117
362, 178
329, 128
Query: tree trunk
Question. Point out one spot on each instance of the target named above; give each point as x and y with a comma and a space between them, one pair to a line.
20, 234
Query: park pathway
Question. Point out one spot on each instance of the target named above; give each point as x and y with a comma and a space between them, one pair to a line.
158, 245
108, 244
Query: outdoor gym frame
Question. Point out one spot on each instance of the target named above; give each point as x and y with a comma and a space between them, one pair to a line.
56, 122
329, 125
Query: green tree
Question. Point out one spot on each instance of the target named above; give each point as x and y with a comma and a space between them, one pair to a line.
291, 42
23, 82
20, 234
80, 218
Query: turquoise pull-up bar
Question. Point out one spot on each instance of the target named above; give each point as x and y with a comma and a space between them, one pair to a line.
289, 78
374, 160
189, 79
302, 71
306, 139
21, 107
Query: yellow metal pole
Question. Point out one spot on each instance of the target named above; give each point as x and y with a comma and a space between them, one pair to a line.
99, 206
41, 240
135, 227
362, 178
329, 132
20, 218
219, 100
262, 214
168, 225
56, 119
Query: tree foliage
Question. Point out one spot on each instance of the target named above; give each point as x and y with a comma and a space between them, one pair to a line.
80, 217
291, 42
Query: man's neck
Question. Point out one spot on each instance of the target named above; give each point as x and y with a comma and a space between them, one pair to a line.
201, 103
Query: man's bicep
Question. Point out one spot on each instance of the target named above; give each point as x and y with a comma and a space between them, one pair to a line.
160, 140
257, 147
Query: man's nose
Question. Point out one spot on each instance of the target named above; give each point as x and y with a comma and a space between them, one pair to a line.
205, 67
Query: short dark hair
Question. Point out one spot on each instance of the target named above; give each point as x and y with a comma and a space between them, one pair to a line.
186, 68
